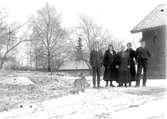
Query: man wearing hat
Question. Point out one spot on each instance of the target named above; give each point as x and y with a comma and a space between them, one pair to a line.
96, 59
142, 57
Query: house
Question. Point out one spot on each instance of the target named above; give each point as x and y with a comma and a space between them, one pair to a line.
74, 65
153, 28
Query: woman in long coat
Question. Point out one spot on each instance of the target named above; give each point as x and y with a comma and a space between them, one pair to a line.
123, 65
108, 62
132, 63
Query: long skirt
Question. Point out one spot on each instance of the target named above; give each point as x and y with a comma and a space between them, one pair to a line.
123, 76
109, 74
133, 73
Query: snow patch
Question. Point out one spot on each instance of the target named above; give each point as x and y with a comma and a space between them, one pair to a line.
17, 81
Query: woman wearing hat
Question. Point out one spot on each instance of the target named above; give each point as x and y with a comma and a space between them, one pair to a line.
108, 62
123, 65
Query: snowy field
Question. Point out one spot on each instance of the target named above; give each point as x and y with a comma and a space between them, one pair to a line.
103, 103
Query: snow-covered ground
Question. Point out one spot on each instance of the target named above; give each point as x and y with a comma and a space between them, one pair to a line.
104, 103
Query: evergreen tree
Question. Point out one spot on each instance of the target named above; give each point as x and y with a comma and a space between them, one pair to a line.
79, 51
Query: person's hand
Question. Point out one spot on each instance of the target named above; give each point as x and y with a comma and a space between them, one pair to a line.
117, 66
135, 61
128, 66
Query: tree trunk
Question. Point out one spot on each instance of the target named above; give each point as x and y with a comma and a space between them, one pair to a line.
49, 63
36, 63
3, 60
2, 63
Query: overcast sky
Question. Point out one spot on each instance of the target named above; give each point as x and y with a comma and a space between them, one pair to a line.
120, 16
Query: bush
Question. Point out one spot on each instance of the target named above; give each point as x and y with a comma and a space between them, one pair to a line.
16, 66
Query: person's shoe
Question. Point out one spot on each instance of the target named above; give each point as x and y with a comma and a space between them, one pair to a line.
144, 85
112, 85
119, 85
137, 86
98, 86
125, 85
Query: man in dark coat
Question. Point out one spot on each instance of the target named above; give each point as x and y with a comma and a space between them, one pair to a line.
142, 57
96, 60
123, 65
108, 62
131, 52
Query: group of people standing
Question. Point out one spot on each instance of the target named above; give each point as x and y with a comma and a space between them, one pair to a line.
120, 66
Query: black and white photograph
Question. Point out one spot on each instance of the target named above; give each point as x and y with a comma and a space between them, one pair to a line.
83, 59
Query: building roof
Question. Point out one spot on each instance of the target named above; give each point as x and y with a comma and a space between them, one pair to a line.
153, 20
74, 65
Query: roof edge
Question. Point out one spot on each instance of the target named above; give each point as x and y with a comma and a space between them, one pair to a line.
146, 29
140, 30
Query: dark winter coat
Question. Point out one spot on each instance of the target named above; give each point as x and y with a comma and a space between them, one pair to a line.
96, 58
109, 64
142, 55
123, 61
132, 64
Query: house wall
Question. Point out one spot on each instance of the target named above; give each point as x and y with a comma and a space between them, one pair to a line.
156, 43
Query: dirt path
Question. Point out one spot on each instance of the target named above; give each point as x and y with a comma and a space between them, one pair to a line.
104, 103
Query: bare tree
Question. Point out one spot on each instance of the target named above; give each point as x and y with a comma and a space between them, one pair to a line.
48, 34
8, 40
89, 31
